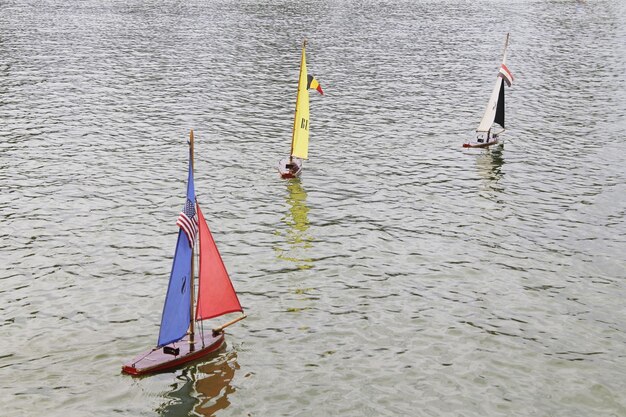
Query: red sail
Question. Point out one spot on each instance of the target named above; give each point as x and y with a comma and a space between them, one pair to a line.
216, 295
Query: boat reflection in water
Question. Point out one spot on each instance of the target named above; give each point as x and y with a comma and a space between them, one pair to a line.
297, 221
489, 164
202, 389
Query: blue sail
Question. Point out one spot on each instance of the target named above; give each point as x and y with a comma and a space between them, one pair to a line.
175, 319
176, 311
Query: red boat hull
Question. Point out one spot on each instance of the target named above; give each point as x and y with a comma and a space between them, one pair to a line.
287, 171
156, 360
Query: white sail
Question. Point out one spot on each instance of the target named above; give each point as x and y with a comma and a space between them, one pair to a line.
490, 111
492, 104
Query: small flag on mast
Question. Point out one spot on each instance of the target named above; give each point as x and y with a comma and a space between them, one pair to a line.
187, 219
506, 75
188, 222
312, 83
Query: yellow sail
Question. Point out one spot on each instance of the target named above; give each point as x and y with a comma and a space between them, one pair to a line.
300, 140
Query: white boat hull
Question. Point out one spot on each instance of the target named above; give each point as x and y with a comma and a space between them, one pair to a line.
290, 169
481, 143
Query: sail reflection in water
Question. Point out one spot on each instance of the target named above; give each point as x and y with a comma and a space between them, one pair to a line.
297, 221
205, 389
489, 164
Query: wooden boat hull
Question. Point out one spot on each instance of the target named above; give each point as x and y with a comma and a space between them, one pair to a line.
157, 360
286, 171
481, 144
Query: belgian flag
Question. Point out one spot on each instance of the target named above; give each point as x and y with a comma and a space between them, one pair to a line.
312, 83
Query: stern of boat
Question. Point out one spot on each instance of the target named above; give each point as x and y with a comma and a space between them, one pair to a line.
290, 169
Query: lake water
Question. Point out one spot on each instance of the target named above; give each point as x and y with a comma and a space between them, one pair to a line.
401, 275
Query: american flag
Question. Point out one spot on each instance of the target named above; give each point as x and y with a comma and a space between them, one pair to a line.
188, 221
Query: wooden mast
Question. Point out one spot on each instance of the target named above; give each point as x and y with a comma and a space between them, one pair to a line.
295, 120
192, 319
506, 44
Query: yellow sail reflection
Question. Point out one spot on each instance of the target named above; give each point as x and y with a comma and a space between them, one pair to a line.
297, 221
300, 140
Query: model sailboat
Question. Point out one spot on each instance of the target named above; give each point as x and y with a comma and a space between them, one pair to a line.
494, 113
179, 341
292, 167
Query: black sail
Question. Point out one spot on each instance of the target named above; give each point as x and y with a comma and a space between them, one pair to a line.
500, 107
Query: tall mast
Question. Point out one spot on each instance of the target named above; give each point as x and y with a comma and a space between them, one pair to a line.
506, 44
486, 122
295, 121
192, 320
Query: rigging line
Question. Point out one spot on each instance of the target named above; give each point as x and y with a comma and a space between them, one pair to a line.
144, 356
202, 331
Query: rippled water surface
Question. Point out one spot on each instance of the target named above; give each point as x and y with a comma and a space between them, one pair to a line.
400, 276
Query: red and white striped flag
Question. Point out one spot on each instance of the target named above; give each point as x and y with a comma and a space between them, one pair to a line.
506, 75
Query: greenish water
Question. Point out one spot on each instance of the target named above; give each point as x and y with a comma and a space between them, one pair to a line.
400, 276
